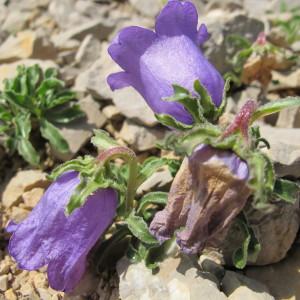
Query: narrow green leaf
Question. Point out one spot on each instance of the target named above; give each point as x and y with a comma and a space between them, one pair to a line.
21, 101
179, 90
139, 229
287, 190
48, 84
84, 165
26, 150
23, 125
200, 134
152, 198
103, 141
34, 74
250, 247
275, 106
191, 104
66, 115
52, 134
55, 99
207, 103
240, 255
262, 177
170, 121
51, 73
223, 105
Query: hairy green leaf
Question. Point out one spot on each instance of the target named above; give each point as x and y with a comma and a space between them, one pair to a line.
249, 248
26, 150
170, 121
287, 190
275, 106
66, 115
85, 165
152, 198
208, 107
52, 134
103, 141
139, 229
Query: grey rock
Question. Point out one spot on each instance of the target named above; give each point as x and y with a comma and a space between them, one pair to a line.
94, 10
212, 265
16, 20
69, 13
148, 8
221, 25
140, 137
133, 106
259, 9
3, 283
18, 214
287, 80
10, 295
88, 52
23, 181
32, 197
3, 13
289, 118
5, 265
26, 44
64, 14
285, 149
158, 180
177, 279
111, 112
94, 79
244, 26
100, 29
296, 46
227, 5
275, 229
237, 287
282, 278
91, 81
78, 133
28, 5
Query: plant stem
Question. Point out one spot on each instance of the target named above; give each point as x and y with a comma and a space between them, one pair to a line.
131, 185
130, 158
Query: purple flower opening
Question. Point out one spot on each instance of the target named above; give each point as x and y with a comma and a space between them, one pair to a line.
48, 237
153, 61
208, 192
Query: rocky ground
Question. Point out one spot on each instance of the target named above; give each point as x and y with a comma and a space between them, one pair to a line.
73, 35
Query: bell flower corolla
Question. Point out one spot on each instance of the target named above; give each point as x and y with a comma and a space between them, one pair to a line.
155, 60
49, 237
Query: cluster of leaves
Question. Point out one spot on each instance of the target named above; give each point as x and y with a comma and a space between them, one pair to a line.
35, 100
291, 26
201, 106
